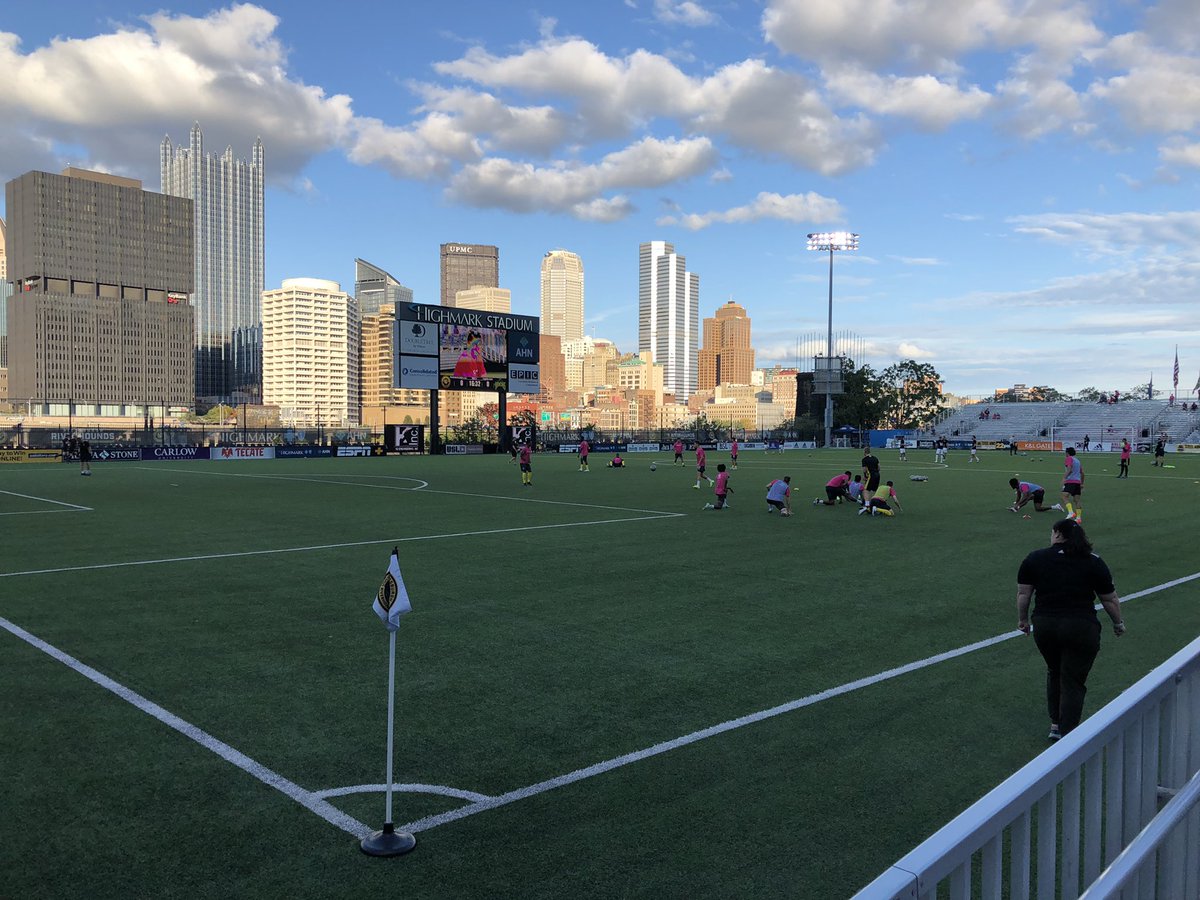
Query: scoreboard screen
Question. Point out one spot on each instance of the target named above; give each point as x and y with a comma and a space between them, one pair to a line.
455, 349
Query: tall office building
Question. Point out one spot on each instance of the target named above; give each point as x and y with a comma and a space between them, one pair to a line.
726, 356
5, 291
466, 266
488, 299
227, 197
310, 352
669, 315
100, 317
562, 295
375, 288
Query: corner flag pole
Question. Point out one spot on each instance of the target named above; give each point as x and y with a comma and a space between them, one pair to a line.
390, 603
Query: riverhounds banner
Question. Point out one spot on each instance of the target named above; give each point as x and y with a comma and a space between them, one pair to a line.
30, 456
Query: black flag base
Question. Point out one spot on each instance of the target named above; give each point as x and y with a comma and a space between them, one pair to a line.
388, 842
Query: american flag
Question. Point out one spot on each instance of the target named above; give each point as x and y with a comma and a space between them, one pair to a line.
1177, 369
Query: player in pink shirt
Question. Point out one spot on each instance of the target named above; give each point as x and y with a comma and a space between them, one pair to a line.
584, 449
1126, 449
722, 489
837, 489
700, 465
679, 453
733, 452
526, 460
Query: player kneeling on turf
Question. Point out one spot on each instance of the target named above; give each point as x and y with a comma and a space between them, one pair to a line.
722, 489
779, 496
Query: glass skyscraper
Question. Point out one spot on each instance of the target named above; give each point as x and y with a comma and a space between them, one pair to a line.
562, 295
227, 195
669, 316
375, 288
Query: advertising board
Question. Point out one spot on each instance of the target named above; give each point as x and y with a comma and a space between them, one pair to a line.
186, 453
225, 454
30, 456
463, 449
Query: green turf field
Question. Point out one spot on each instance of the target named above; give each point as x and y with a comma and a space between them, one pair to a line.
562, 627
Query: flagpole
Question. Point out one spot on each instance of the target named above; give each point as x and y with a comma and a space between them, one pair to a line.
389, 841
387, 818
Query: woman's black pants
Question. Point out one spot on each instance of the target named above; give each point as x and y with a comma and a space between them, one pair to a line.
1069, 646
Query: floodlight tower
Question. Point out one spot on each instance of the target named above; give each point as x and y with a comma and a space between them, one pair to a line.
831, 241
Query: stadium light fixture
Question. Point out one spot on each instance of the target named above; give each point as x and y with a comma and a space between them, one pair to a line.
831, 241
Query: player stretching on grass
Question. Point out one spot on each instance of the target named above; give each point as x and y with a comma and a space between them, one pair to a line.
779, 496
1072, 488
722, 490
1026, 491
837, 489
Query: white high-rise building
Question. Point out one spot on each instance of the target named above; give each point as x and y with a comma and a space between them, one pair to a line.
310, 352
227, 198
669, 316
562, 295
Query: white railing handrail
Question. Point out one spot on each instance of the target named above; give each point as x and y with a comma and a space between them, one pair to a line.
1142, 848
943, 851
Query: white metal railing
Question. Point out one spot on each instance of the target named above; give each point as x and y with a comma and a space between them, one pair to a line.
1069, 813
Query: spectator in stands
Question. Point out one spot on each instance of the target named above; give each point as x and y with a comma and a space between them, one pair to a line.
1063, 581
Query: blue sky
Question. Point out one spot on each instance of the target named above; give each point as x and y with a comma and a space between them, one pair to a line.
1023, 172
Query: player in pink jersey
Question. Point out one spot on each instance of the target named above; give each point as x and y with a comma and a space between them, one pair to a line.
733, 452
526, 460
722, 489
700, 466
678, 453
1126, 450
837, 489
1072, 487
584, 449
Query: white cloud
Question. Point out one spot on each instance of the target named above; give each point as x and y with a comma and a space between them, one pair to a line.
1180, 153
912, 351
1117, 233
574, 188
682, 12
931, 102
116, 94
808, 207
919, 260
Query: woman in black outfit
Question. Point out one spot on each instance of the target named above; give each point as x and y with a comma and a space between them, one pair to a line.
1066, 578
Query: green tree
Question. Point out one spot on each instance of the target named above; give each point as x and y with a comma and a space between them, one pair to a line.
911, 394
1142, 392
862, 403
1088, 395
1045, 394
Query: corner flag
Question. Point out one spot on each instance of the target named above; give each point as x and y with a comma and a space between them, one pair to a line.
391, 600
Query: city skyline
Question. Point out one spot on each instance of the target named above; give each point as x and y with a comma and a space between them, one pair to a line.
1024, 180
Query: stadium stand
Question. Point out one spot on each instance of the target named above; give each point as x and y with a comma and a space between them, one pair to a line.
1068, 422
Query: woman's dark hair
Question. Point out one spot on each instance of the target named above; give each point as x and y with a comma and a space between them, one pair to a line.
1013, 483
1075, 542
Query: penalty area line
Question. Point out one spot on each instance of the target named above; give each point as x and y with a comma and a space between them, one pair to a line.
307, 799
47, 500
550, 784
402, 540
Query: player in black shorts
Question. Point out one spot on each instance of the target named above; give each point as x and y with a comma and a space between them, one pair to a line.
870, 465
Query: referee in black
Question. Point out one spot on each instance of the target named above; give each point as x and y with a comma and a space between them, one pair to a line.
1063, 581
870, 466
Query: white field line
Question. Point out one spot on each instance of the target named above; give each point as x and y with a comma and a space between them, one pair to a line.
307, 799
442, 790
42, 512
402, 540
541, 787
47, 500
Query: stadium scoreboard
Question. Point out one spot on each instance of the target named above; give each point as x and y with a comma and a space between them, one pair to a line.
456, 349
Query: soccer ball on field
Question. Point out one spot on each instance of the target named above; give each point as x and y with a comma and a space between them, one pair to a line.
653, 467
785, 512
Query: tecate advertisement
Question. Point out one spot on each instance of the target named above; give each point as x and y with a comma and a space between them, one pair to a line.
228, 453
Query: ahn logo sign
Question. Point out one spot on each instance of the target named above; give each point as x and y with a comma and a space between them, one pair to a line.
524, 379
523, 347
